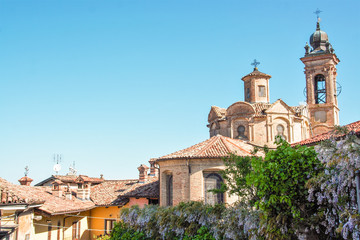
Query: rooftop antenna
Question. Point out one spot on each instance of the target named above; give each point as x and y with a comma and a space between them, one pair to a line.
57, 160
255, 64
26, 171
72, 170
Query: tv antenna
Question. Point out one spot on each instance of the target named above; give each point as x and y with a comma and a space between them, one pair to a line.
72, 169
26, 171
57, 160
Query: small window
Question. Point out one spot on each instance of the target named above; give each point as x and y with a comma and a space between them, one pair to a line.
248, 93
153, 201
262, 92
241, 132
320, 89
169, 190
213, 181
109, 225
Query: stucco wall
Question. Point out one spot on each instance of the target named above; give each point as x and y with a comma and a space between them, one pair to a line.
99, 215
65, 231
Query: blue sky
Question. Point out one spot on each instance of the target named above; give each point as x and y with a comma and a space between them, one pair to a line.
111, 84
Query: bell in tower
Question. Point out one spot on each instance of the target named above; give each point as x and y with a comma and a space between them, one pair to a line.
320, 71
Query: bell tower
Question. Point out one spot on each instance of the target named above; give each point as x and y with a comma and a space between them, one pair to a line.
320, 72
256, 85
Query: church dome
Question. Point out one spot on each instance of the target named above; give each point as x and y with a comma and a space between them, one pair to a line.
319, 39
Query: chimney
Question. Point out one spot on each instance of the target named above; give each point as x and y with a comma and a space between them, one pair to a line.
56, 188
83, 192
153, 170
25, 181
68, 193
143, 175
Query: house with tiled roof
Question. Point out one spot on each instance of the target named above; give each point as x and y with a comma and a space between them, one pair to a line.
52, 214
188, 174
16, 209
112, 195
55, 209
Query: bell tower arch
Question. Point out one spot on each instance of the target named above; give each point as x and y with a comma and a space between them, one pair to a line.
320, 71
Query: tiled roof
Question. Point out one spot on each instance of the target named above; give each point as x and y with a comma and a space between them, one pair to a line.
220, 112
355, 127
70, 179
215, 147
260, 108
50, 203
256, 72
19, 196
116, 192
89, 179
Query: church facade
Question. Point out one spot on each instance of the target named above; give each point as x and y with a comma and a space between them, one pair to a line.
258, 122
188, 174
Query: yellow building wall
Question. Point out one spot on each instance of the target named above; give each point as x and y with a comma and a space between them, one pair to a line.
98, 216
62, 232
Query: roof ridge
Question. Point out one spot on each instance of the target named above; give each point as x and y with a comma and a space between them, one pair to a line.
230, 140
209, 144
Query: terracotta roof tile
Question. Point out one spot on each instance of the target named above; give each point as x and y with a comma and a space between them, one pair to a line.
70, 179
355, 127
220, 112
116, 192
215, 147
260, 108
256, 73
50, 203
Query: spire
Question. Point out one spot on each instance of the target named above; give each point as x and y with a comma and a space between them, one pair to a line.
318, 25
319, 40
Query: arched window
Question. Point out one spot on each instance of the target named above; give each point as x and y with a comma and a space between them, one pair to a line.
241, 132
169, 190
320, 89
280, 131
212, 181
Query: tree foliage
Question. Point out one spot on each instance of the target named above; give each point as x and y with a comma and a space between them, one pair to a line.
192, 220
288, 193
334, 190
